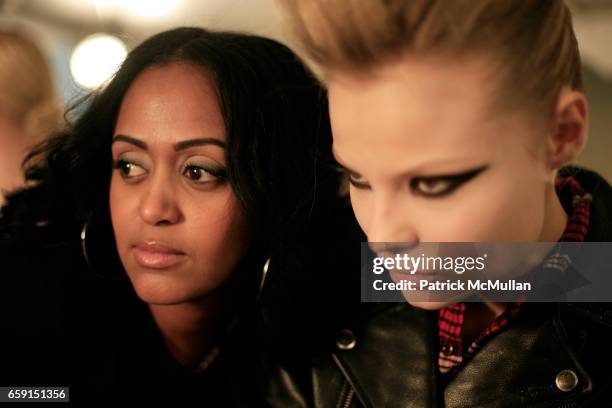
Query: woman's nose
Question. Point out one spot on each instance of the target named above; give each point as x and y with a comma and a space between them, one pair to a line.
158, 205
390, 223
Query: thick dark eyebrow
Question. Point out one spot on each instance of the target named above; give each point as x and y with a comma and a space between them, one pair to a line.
185, 144
130, 140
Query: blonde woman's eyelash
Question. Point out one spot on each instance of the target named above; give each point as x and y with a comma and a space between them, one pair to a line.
362, 185
455, 181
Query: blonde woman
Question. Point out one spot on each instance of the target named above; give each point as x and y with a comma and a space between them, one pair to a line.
29, 108
455, 121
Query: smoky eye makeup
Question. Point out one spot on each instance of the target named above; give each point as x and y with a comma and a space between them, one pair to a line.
430, 186
442, 185
356, 180
200, 171
353, 177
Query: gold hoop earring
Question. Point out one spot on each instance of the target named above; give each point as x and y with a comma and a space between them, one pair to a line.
264, 274
99, 251
84, 244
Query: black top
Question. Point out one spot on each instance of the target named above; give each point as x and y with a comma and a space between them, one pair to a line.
64, 325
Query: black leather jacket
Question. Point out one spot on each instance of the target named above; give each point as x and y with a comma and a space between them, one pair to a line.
553, 355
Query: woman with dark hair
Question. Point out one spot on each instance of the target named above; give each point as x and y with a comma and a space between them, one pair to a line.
207, 155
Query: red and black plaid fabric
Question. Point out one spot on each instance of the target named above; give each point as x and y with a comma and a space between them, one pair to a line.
452, 351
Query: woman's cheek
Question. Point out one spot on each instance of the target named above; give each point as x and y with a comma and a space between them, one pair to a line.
361, 210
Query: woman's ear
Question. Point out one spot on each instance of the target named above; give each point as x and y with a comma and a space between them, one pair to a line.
570, 128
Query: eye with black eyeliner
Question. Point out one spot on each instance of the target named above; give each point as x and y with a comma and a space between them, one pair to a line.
354, 180
432, 186
439, 186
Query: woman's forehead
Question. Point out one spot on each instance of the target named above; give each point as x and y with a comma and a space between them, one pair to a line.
171, 102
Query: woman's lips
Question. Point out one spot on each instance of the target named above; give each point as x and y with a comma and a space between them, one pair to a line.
396, 276
157, 255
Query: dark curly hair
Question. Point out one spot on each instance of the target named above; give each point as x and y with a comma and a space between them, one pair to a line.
278, 138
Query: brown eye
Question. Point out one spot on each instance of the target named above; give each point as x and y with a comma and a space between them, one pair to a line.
198, 174
432, 187
129, 169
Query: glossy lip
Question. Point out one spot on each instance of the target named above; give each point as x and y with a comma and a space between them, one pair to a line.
153, 254
399, 275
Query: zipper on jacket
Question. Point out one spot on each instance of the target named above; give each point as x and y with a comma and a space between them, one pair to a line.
348, 399
348, 394
570, 404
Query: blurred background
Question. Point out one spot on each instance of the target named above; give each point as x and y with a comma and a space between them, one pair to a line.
85, 40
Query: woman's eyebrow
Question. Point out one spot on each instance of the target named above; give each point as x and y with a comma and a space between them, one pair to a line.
185, 144
130, 140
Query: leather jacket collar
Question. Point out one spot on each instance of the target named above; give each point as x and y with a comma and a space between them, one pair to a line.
392, 362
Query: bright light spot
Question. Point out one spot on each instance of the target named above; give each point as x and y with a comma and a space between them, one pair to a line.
96, 58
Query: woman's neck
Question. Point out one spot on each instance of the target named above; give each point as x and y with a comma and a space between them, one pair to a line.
479, 316
192, 329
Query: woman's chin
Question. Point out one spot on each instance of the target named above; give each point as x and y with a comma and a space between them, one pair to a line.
160, 291
429, 305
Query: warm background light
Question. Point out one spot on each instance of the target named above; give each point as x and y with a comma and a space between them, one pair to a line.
95, 59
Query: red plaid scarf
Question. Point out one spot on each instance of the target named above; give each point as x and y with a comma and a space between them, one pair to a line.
450, 319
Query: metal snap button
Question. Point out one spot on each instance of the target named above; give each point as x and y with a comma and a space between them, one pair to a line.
345, 340
566, 380
447, 349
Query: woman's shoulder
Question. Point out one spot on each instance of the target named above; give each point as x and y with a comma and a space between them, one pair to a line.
27, 253
34, 282
50, 301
